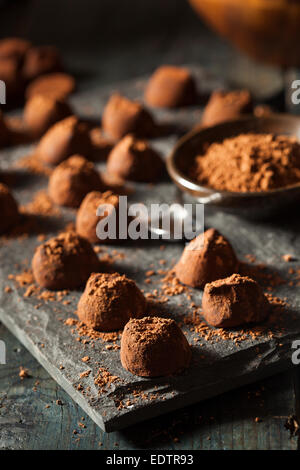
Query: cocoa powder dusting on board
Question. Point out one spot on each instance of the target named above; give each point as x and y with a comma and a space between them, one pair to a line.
104, 379
249, 162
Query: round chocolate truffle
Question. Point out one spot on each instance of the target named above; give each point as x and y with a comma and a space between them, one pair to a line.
234, 301
64, 262
41, 112
8, 209
56, 85
226, 105
122, 116
63, 139
14, 48
101, 146
153, 347
134, 160
41, 60
87, 218
206, 258
171, 87
72, 180
109, 301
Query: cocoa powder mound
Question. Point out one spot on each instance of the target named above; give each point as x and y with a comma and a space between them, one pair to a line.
249, 162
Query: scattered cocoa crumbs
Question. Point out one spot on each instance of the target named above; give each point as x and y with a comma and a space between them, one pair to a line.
258, 420
34, 164
85, 359
59, 402
7, 289
84, 331
104, 379
41, 204
23, 373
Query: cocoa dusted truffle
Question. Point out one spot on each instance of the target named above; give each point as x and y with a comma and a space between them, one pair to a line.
134, 160
8, 209
122, 116
56, 85
41, 112
72, 180
109, 301
171, 87
14, 48
226, 105
63, 139
206, 258
64, 262
234, 301
41, 60
153, 347
87, 218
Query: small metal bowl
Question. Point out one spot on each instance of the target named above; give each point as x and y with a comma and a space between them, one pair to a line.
248, 204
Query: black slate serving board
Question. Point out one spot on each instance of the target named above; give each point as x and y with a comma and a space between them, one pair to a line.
217, 366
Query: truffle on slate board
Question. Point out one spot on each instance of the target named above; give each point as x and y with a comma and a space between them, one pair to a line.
101, 146
226, 105
87, 218
41, 112
8, 209
56, 85
64, 262
153, 347
63, 139
41, 60
206, 258
70, 181
109, 301
134, 160
171, 87
122, 116
234, 301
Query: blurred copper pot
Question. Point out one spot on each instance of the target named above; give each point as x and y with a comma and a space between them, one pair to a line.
267, 30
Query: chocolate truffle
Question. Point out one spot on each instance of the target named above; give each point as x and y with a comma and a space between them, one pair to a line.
4, 133
41, 112
56, 85
87, 218
109, 301
41, 60
8, 209
134, 160
72, 180
64, 262
122, 116
101, 146
153, 347
234, 301
171, 87
206, 258
226, 105
63, 139
14, 48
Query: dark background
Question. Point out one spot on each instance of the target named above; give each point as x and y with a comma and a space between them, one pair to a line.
119, 39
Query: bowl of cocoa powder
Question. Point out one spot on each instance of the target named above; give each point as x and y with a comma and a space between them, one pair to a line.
249, 166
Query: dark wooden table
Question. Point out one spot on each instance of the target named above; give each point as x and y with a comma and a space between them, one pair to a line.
35, 413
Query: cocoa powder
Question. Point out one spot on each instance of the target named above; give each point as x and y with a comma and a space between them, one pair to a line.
249, 162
